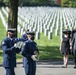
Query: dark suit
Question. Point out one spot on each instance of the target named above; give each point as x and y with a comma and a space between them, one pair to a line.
74, 46
27, 51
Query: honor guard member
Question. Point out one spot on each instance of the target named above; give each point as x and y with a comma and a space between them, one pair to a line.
9, 51
25, 38
30, 53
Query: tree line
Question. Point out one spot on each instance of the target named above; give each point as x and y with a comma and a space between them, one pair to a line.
33, 2
13, 7
68, 3
61, 3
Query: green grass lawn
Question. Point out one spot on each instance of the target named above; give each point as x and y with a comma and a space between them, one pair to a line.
49, 49
2, 36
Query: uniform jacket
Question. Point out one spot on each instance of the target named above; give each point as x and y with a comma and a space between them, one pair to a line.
9, 51
28, 49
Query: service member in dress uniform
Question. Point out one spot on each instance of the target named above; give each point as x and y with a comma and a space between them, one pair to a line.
9, 50
25, 38
30, 53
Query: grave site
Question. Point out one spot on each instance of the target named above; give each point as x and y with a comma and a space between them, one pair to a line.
46, 20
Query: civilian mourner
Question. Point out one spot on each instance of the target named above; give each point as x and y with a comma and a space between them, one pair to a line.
74, 46
65, 46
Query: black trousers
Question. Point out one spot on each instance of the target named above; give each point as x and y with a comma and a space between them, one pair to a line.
75, 57
74, 54
9, 70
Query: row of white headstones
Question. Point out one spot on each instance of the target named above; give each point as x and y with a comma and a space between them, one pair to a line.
43, 20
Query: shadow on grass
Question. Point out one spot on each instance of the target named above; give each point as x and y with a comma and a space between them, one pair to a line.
49, 48
49, 52
45, 53
1, 53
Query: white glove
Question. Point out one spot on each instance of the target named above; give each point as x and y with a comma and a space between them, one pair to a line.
15, 45
18, 44
35, 57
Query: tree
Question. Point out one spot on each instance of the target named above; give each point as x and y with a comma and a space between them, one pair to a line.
68, 3
12, 18
1, 3
12, 14
59, 2
1, 0
22, 1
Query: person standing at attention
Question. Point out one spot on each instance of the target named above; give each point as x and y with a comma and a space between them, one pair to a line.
25, 38
30, 53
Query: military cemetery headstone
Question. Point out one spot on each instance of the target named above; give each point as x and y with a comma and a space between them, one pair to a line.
37, 35
45, 20
49, 35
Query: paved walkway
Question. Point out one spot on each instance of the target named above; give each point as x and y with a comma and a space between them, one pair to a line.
47, 68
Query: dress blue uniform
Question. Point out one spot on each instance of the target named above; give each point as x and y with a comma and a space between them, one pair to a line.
25, 38
28, 50
9, 61
9, 51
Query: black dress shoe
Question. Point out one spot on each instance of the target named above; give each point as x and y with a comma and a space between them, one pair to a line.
23, 66
75, 67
